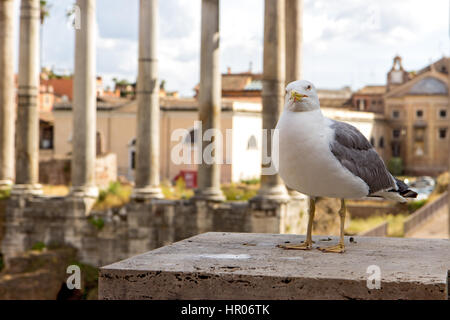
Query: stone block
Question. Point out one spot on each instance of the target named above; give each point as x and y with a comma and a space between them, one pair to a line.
220, 265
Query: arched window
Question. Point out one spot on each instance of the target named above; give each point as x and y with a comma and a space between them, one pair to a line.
372, 141
252, 144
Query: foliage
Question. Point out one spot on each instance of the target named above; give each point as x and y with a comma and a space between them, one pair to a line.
123, 82
236, 192
395, 224
395, 166
45, 10
251, 181
179, 191
38, 246
116, 195
162, 85
98, 223
4, 194
415, 205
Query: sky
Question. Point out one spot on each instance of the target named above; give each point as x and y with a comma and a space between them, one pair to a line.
346, 42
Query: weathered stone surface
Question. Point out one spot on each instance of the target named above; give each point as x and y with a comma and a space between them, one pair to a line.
250, 266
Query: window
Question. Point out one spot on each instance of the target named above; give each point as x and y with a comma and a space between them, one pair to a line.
372, 141
419, 113
396, 133
46, 140
133, 160
442, 133
252, 144
381, 143
419, 142
396, 149
99, 145
395, 114
361, 104
443, 113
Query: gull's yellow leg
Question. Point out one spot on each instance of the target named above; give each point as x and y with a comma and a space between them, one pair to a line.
307, 245
340, 247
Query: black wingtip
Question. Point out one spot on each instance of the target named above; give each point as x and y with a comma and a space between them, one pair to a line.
404, 191
409, 194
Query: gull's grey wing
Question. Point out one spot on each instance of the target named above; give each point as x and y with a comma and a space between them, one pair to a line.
356, 154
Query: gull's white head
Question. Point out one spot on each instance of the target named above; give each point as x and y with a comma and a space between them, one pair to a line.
301, 95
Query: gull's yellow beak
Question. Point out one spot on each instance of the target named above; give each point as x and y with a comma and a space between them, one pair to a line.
297, 96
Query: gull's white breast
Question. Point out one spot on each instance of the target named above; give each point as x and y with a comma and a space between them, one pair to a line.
306, 162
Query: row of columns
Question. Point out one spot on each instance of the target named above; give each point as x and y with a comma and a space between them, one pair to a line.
25, 172
278, 15
282, 64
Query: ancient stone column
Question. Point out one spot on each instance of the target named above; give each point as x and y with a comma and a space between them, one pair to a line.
294, 30
272, 187
147, 152
27, 134
7, 94
210, 96
84, 104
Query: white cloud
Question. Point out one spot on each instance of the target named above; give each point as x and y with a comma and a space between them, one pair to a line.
346, 42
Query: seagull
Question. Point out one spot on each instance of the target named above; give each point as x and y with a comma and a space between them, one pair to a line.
321, 157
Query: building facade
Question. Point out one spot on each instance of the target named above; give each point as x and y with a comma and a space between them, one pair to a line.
241, 124
417, 110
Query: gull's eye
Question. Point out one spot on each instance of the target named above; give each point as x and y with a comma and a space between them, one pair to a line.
308, 87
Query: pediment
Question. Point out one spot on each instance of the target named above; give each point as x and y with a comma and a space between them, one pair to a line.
428, 86
428, 83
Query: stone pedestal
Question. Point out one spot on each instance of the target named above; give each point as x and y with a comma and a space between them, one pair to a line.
251, 266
